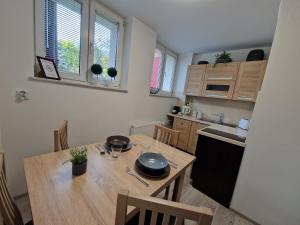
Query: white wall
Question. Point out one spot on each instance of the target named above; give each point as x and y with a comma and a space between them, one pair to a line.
0, 139
183, 61
27, 128
236, 55
268, 187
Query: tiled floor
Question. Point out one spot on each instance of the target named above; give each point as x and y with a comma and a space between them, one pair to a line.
190, 196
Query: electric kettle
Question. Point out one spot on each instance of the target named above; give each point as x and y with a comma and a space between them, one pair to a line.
186, 109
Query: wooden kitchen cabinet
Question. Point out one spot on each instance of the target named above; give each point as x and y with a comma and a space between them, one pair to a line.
194, 80
222, 71
193, 139
218, 89
250, 78
184, 127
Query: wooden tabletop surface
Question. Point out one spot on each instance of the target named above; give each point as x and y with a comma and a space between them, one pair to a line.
58, 198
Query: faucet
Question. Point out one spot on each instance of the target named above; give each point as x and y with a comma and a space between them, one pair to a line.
221, 117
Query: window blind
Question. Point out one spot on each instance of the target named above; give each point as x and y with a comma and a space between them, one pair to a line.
169, 73
105, 43
63, 34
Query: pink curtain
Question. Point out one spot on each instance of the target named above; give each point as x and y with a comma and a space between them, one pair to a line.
155, 72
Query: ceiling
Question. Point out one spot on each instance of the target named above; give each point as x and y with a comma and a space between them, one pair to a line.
205, 25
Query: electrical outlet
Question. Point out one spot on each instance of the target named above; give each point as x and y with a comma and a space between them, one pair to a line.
22, 95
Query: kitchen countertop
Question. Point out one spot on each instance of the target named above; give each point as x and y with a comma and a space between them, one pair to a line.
227, 129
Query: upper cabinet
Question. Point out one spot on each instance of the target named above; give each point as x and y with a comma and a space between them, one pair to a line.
222, 71
194, 80
238, 80
250, 78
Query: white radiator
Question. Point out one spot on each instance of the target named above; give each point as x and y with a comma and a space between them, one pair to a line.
146, 128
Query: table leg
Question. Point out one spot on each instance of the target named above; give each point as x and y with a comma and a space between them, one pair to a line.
167, 193
178, 187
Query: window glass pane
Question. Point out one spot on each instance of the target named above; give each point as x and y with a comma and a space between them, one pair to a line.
105, 44
157, 62
169, 73
63, 34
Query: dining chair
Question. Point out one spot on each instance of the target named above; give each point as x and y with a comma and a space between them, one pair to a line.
10, 213
166, 135
61, 137
159, 208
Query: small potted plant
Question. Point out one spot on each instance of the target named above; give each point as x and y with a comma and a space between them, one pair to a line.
79, 160
224, 57
112, 72
97, 70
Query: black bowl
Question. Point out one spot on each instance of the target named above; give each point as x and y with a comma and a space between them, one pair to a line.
122, 140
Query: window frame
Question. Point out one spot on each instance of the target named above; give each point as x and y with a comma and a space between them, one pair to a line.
98, 9
88, 12
172, 54
165, 51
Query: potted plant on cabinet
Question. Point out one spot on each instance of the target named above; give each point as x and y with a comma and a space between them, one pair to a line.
79, 160
224, 57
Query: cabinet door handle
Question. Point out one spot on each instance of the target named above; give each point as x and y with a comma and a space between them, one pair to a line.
216, 95
219, 78
244, 98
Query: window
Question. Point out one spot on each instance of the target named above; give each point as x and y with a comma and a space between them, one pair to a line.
169, 71
105, 45
106, 31
63, 34
163, 71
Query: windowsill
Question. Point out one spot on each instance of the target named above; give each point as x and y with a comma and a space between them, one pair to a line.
162, 96
78, 84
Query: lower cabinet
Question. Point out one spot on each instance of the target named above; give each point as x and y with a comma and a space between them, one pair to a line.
183, 126
188, 136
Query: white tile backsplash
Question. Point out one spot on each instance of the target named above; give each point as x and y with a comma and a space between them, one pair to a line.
233, 110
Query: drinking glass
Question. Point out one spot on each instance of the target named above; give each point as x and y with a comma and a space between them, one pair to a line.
116, 150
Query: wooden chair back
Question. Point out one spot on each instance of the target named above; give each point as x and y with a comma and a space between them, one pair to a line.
61, 137
166, 135
169, 209
8, 209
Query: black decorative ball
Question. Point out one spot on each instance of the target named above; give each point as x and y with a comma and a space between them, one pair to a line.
96, 69
112, 72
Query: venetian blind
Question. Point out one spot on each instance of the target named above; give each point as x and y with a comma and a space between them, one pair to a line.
62, 22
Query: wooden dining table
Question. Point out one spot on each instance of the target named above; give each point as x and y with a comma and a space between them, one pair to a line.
58, 198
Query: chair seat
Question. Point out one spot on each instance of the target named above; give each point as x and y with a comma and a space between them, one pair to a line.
29, 223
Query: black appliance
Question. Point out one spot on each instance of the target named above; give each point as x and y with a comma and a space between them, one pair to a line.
257, 54
175, 110
216, 168
203, 62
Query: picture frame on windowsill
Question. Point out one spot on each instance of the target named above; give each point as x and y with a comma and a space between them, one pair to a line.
48, 68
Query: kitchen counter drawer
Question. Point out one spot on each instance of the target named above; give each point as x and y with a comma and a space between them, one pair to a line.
182, 125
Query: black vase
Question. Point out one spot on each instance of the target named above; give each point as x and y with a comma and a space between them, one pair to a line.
79, 169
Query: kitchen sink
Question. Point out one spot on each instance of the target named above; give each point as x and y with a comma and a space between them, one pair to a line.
217, 122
